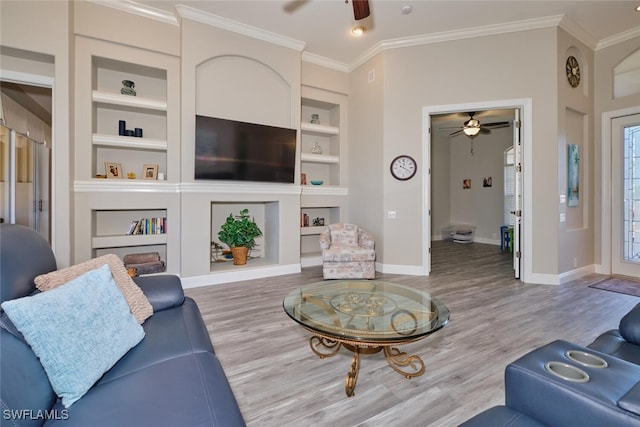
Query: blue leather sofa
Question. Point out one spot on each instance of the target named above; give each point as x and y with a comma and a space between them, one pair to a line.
171, 378
599, 389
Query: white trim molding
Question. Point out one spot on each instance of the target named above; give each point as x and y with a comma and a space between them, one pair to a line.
325, 62
238, 27
410, 270
239, 188
606, 185
618, 38
139, 9
239, 275
487, 30
137, 185
526, 116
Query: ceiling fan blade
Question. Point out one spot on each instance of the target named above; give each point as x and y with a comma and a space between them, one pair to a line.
458, 132
496, 125
484, 130
360, 9
293, 5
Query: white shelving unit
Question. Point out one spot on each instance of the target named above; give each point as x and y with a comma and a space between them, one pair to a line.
111, 227
147, 110
326, 201
105, 208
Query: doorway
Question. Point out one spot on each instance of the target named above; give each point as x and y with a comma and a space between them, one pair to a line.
25, 156
625, 206
516, 112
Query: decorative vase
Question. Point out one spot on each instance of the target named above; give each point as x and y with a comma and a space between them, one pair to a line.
315, 119
240, 255
316, 149
127, 88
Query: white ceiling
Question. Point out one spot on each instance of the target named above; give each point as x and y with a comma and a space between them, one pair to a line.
324, 25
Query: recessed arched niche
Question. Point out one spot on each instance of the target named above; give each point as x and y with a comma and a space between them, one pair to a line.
242, 88
626, 76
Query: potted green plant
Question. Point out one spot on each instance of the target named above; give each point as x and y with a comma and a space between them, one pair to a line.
239, 233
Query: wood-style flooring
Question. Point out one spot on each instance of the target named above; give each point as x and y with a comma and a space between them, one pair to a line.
495, 319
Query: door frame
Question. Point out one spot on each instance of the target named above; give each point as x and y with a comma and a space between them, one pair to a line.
606, 222
48, 82
526, 116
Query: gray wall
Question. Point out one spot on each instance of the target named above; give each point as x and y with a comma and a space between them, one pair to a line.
436, 74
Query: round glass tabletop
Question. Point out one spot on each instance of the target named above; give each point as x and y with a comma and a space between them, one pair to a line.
367, 311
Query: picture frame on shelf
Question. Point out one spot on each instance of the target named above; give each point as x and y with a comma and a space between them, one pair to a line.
150, 172
113, 170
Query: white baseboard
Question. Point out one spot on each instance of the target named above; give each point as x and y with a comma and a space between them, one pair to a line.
562, 278
411, 270
239, 275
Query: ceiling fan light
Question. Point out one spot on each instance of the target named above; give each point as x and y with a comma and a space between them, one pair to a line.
357, 31
471, 131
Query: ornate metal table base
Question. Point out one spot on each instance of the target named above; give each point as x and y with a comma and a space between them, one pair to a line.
404, 364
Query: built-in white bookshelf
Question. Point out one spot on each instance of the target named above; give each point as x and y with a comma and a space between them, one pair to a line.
106, 204
322, 155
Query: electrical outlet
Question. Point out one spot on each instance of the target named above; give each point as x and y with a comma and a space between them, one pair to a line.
563, 217
391, 214
563, 199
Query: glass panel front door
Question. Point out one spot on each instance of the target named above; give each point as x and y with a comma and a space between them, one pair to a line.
625, 215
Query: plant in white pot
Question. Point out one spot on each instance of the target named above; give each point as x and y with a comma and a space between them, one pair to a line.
239, 233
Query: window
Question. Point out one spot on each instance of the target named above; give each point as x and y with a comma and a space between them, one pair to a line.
631, 194
509, 186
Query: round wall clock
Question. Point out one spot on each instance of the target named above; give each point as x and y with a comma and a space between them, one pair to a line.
573, 71
403, 167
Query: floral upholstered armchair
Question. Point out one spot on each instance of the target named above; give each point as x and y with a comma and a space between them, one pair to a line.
348, 252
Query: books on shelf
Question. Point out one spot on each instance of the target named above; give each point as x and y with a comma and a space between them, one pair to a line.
148, 226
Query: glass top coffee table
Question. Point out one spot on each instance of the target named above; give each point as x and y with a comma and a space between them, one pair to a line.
365, 317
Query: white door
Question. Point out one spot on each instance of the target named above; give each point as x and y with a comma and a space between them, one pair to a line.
517, 224
625, 206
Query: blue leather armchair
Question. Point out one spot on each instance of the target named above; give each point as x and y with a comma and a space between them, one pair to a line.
171, 378
595, 394
623, 342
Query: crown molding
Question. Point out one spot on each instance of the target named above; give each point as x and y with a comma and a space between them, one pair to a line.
578, 32
325, 62
445, 36
618, 38
239, 27
139, 9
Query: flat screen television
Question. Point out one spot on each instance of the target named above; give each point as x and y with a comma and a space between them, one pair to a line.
239, 151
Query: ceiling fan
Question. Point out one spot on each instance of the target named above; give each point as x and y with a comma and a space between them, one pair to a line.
473, 127
360, 7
